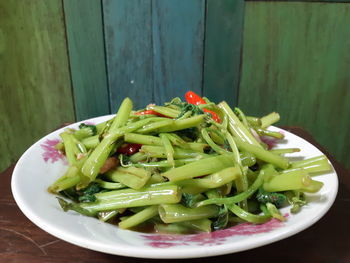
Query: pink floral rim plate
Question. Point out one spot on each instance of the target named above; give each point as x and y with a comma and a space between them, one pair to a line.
40, 165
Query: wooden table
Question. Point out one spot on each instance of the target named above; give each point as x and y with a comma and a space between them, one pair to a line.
326, 241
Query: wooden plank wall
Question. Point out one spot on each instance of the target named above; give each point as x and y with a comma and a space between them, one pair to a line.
62, 59
296, 59
178, 40
157, 50
84, 27
77, 59
35, 89
223, 43
128, 41
154, 49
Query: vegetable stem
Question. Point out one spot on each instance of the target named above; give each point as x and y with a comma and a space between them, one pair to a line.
133, 198
139, 217
236, 127
293, 180
269, 119
264, 155
199, 168
171, 213
246, 216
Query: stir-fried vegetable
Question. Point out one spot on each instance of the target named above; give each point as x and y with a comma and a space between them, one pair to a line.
182, 167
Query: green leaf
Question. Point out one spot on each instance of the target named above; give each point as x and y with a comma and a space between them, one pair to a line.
222, 219
277, 199
186, 107
190, 200
89, 193
190, 133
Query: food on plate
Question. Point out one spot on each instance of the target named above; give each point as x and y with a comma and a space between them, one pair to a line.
183, 167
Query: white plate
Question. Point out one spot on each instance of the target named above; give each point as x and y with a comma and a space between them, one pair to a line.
40, 166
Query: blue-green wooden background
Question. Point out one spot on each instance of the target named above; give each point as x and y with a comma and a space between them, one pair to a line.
259, 55
77, 59
151, 51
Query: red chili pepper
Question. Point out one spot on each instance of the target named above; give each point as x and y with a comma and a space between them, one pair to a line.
129, 149
195, 99
213, 115
149, 112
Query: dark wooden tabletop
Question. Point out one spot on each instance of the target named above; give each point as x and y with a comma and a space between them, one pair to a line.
326, 241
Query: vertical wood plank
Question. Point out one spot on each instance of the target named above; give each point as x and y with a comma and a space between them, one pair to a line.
35, 90
296, 61
223, 42
86, 56
334, 1
178, 33
129, 50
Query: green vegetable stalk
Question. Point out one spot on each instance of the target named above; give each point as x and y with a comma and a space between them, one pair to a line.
246, 216
132, 177
199, 168
294, 180
139, 217
237, 129
171, 213
269, 119
113, 200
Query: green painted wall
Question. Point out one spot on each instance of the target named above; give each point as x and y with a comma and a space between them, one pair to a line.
296, 59
35, 90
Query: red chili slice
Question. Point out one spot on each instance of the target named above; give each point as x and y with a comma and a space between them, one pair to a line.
129, 149
195, 99
213, 115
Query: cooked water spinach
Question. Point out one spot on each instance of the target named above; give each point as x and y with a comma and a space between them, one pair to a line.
182, 167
